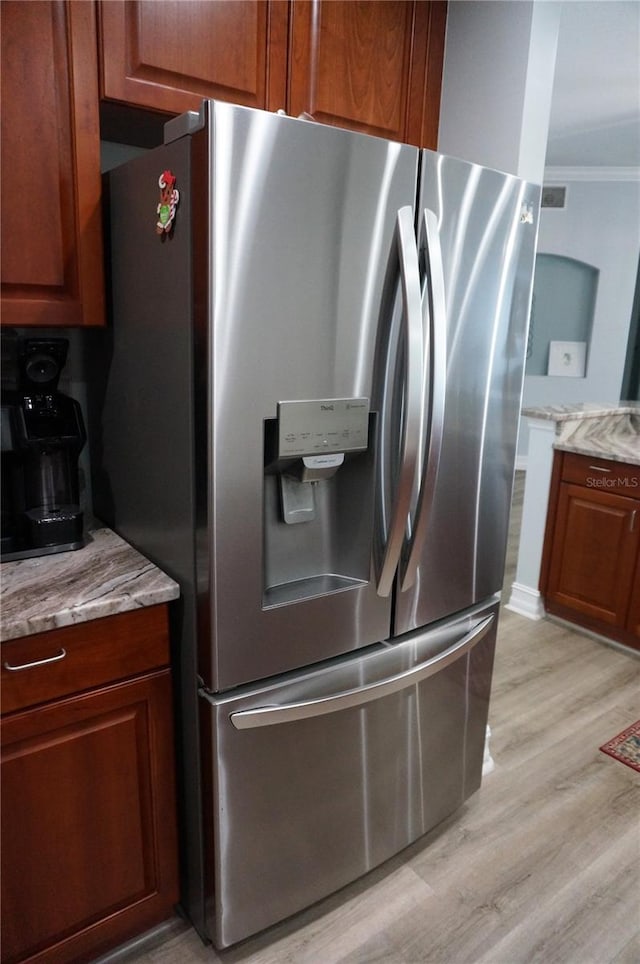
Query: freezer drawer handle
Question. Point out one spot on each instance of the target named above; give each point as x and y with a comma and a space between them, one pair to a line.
37, 662
270, 715
435, 310
412, 314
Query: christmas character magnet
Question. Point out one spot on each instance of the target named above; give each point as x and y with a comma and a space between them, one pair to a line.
169, 198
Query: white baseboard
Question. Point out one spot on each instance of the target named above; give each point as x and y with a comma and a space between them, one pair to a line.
526, 602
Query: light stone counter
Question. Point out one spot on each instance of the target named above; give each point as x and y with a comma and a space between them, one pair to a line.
597, 430
563, 413
107, 576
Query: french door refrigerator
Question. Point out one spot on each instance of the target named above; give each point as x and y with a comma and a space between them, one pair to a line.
310, 420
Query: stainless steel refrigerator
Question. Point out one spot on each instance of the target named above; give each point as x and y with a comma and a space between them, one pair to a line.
310, 418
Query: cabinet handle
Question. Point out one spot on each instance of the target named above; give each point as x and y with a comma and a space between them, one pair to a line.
632, 520
599, 468
37, 662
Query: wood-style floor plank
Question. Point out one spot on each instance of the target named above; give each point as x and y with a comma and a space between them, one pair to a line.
541, 866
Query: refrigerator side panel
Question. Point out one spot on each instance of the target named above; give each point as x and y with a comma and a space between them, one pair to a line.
143, 438
306, 805
484, 225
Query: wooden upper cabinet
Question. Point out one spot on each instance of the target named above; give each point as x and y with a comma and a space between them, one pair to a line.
167, 56
369, 66
373, 66
52, 271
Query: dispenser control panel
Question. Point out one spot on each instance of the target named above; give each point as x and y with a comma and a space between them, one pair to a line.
322, 425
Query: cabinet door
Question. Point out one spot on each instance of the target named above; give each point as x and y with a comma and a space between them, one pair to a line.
51, 221
372, 67
88, 821
633, 616
169, 55
595, 545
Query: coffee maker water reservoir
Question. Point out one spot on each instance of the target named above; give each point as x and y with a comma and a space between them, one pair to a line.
42, 436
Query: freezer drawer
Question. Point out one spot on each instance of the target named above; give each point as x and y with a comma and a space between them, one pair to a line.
323, 775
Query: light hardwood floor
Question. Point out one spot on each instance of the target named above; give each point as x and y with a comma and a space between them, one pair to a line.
541, 865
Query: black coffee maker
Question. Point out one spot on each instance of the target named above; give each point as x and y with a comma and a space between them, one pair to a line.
42, 436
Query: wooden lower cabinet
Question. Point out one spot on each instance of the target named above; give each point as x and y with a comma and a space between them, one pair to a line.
89, 844
633, 616
591, 566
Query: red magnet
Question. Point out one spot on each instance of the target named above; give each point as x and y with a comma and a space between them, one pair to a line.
169, 198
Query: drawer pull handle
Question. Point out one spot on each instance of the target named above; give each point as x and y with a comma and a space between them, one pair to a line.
599, 468
37, 662
632, 521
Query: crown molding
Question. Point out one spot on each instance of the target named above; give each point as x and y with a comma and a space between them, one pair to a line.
553, 175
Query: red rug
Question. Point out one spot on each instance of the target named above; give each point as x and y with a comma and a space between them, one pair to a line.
625, 746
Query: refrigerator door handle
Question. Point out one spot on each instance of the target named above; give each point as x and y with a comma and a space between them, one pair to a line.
412, 315
286, 713
435, 307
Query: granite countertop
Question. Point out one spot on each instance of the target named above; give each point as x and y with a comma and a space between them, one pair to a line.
107, 576
606, 431
580, 410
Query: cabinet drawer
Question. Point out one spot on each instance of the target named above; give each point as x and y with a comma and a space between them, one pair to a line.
601, 474
80, 657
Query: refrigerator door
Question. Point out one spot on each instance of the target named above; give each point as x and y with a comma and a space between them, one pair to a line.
476, 239
307, 233
322, 776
